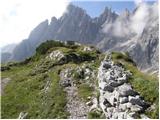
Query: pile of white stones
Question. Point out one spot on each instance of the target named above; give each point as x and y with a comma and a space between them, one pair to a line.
117, 98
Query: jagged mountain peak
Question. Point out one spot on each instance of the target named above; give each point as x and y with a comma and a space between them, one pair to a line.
73, 10
125, 13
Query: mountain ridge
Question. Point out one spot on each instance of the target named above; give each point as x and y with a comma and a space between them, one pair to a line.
76, 24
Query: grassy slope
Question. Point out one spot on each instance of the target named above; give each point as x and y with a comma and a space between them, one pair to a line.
24, 93
145, 84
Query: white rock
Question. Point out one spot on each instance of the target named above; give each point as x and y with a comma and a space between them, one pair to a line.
136, 108
87, 49
95, 104
125, 90
22, 115
123, 107
122, 115
56, 55
143, 116
89, 103
129, 105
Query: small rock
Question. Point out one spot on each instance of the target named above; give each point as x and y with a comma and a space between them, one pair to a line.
115, 116
90, 103
106, 65
122, 115
143, 116
22, 115
87, 49
133, 114
123, 100
65, 83
136, 108
114, 84
89, 97
108, 88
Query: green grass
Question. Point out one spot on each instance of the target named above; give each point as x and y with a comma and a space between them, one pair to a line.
24, 93
96, 115
147, 85
84, 91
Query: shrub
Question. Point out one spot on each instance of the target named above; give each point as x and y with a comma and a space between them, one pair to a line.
44, 47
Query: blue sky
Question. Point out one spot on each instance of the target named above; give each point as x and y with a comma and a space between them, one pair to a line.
95, 8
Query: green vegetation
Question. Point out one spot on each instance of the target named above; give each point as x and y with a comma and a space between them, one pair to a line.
44, 47
96, 114
145, 84
34, 87
84, 91
26, 93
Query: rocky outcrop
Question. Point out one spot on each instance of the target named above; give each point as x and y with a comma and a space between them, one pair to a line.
117, 97
56, 55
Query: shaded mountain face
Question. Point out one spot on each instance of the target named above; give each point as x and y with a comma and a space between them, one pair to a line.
135, 33
109, 32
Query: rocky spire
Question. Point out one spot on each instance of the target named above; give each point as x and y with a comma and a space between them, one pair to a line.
125, 13
107, 16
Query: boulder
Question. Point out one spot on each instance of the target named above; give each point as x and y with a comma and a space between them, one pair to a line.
123, 107
126, 90
114, 84
106, 65
108, 88
136, 101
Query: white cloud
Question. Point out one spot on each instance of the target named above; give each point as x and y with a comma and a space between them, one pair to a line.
145, 15
19, 17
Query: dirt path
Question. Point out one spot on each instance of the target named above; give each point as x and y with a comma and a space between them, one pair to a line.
76, 108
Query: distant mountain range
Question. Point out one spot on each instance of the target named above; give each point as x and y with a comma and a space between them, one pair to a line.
135, 33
